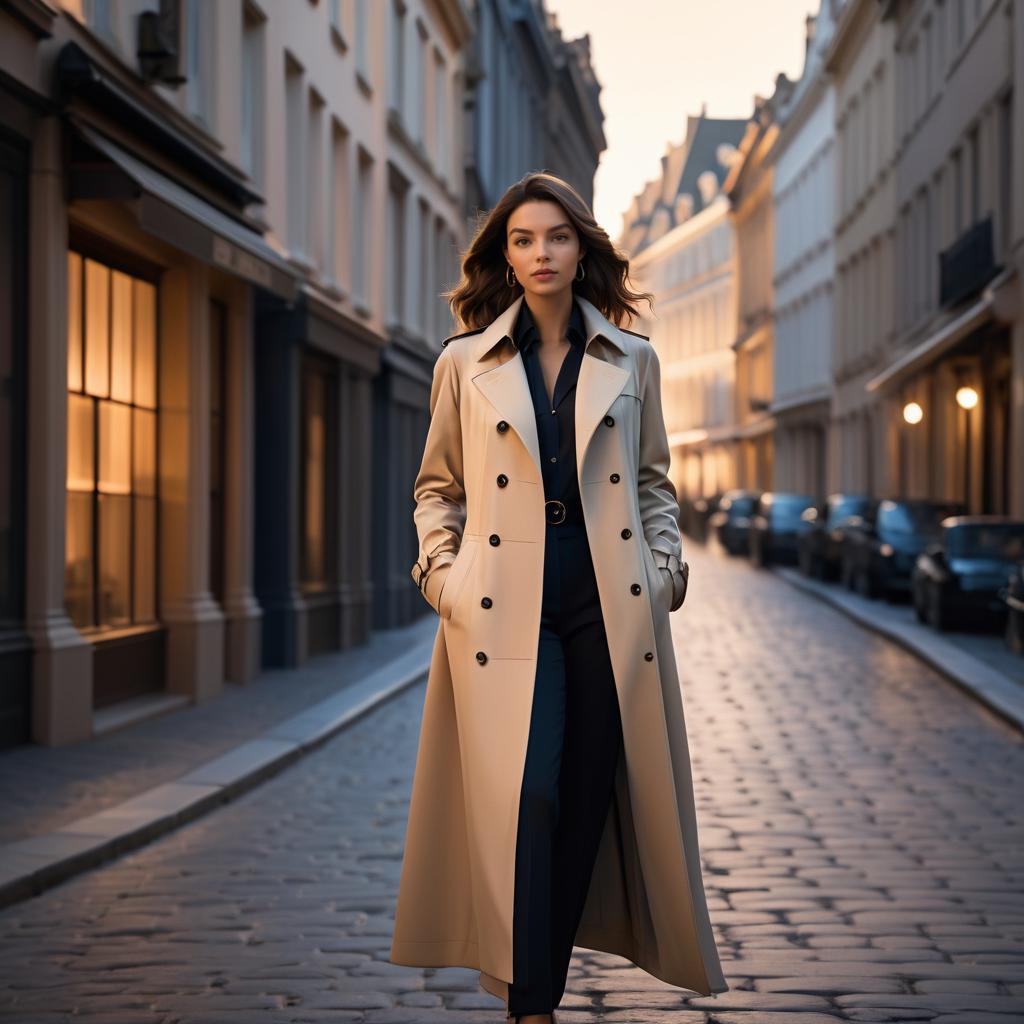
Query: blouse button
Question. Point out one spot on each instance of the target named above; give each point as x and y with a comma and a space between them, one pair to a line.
609, 421
502, 480
635, 588
494, 539
486, 602
627, 533
502, 426
481, 657
649, 656
614, 478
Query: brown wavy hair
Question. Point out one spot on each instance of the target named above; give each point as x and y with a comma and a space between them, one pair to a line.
483, 292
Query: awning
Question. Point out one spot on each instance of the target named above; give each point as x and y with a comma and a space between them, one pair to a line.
169, 211
942, 339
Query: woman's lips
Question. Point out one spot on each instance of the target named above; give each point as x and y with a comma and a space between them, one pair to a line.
545, 273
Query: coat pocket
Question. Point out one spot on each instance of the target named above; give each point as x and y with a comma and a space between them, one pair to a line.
456, 578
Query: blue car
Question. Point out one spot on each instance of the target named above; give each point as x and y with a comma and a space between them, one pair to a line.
879, 554
959, 577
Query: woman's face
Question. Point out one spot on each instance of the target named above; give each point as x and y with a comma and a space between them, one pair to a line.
539, 236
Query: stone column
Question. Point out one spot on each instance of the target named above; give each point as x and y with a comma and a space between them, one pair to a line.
195, 624
241, 609
62, 659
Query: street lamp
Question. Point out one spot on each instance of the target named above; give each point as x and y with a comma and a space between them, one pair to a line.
912, 412
967, 399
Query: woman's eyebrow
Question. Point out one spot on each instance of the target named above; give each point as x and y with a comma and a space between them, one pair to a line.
527, 231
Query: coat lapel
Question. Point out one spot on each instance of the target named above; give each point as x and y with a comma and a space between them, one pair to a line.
505, 385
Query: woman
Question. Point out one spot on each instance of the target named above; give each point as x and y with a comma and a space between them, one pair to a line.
552, 802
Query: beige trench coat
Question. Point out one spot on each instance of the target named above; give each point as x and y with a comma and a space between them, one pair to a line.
646, 899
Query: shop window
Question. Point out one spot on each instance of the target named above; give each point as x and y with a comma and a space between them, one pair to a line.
111, 538
319, 474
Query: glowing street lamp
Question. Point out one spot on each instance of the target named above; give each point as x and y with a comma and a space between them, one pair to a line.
912, 412
966, 397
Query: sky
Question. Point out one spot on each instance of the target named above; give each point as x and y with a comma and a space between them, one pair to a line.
665, 58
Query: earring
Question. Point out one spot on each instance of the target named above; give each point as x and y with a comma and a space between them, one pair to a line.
509, 272
581, 273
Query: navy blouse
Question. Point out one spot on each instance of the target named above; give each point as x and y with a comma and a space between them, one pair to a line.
556, 422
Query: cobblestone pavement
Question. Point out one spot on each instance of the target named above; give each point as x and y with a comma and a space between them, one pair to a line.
861, 829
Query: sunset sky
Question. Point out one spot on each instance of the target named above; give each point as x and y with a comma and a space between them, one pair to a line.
658, 60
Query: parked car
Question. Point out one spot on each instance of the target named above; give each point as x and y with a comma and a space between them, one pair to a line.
819, 547
701, 511
776, 526
730, 523
1013, 597
959, 576
878, 554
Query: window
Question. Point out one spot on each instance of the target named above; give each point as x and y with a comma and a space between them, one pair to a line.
397, 188
396, 63
362, 38
361, 212
319, 473
974, 153
440, 125
13, 351
313, 201
420, 82
200, 45
1005, 170
253, 44
218, 451
295, 134
111, 540
339, 207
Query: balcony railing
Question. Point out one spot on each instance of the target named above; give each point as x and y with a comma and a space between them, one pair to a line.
967, 264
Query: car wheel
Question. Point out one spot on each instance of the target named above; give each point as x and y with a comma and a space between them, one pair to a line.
865, 584
919, 609
846, 574
1015, 632
938, 614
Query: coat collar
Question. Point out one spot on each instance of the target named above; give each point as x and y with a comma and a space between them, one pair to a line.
599, 384
502, 326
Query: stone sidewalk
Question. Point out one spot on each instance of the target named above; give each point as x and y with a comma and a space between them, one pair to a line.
67, 808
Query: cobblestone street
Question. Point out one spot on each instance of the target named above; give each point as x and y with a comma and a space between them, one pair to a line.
861, 830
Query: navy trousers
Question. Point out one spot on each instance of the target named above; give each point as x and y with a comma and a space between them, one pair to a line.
571, 757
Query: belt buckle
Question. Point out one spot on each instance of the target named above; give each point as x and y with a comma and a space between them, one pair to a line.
559, 513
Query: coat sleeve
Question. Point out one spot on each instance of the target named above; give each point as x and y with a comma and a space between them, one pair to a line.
659, 505
439, 490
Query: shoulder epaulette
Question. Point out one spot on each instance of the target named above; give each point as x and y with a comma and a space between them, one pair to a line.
462, 335
635, 334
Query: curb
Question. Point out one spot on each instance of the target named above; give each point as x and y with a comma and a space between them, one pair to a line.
997, 691
30, 866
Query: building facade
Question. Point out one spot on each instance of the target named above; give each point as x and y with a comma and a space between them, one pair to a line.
804, 269
217, 348
946, 384
860, 60
750, 189
533, 103
679, 238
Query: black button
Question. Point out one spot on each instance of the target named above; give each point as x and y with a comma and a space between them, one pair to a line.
502, 426
481, 657
494, 539
609, 421
502, 480
648, 656
486, 602
635, 588
614, 478
627, 533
